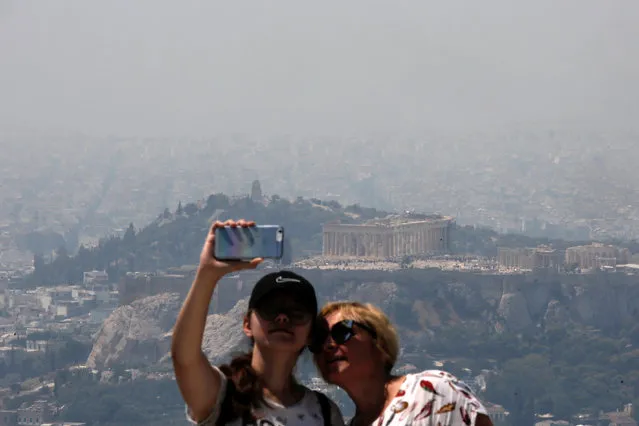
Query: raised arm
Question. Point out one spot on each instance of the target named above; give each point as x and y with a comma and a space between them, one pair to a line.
198, 381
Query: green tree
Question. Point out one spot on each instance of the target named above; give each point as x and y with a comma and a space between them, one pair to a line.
190, 209
129, 236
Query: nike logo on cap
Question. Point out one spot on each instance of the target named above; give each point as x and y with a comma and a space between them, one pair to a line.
281, 279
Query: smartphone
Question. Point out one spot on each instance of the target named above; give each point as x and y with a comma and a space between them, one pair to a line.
265, 241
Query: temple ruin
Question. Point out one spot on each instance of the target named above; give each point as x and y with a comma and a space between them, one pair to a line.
392, 236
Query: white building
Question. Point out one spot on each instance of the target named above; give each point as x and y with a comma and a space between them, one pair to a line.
95, 277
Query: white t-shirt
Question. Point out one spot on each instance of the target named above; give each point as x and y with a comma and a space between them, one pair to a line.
432, 398
307, 412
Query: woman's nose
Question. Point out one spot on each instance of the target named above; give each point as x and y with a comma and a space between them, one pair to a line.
281, 318
329, 344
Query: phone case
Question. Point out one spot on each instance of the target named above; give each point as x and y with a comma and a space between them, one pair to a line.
265, 241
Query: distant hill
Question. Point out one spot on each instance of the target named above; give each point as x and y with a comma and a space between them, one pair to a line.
175, 238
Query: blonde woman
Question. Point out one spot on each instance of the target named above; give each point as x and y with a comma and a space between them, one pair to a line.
356, 347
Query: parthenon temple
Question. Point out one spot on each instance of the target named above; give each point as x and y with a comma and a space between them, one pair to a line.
395, 235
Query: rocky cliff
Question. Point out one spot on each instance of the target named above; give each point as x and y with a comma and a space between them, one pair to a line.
139, 334
429, 299
136, 333
420, 302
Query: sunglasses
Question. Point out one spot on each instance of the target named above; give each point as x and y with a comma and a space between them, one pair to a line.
297, 315
341, 333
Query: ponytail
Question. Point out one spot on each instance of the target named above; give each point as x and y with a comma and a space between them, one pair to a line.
244, 389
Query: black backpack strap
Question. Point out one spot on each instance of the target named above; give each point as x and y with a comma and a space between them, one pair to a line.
227, 403
227, 413
325, 406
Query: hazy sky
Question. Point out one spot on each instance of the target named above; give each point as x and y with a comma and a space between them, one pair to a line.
195, 68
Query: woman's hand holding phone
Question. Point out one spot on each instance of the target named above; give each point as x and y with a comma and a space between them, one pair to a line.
208, 261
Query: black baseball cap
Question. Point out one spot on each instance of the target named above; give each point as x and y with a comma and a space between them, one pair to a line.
290, 282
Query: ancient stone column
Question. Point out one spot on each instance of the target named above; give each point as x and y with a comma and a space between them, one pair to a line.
326, 248
411, 242
425, 236
433, 240
365, 244
373, 245
376, 237
392, 245
406, 238
334, 246
346, 241
446, 229
352, 244
404, 243
368, 249
426, 242
445, 237
368, 245
332, 241
366, 239
342, 244
385, 246
424, 245
324, 243
349, 244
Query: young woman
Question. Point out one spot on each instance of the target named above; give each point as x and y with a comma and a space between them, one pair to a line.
257, 388
356, 347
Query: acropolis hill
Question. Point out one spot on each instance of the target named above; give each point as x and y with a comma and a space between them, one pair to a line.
419, 301
514, 301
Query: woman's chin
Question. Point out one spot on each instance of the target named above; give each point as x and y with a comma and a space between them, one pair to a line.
334, 372
283, 342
